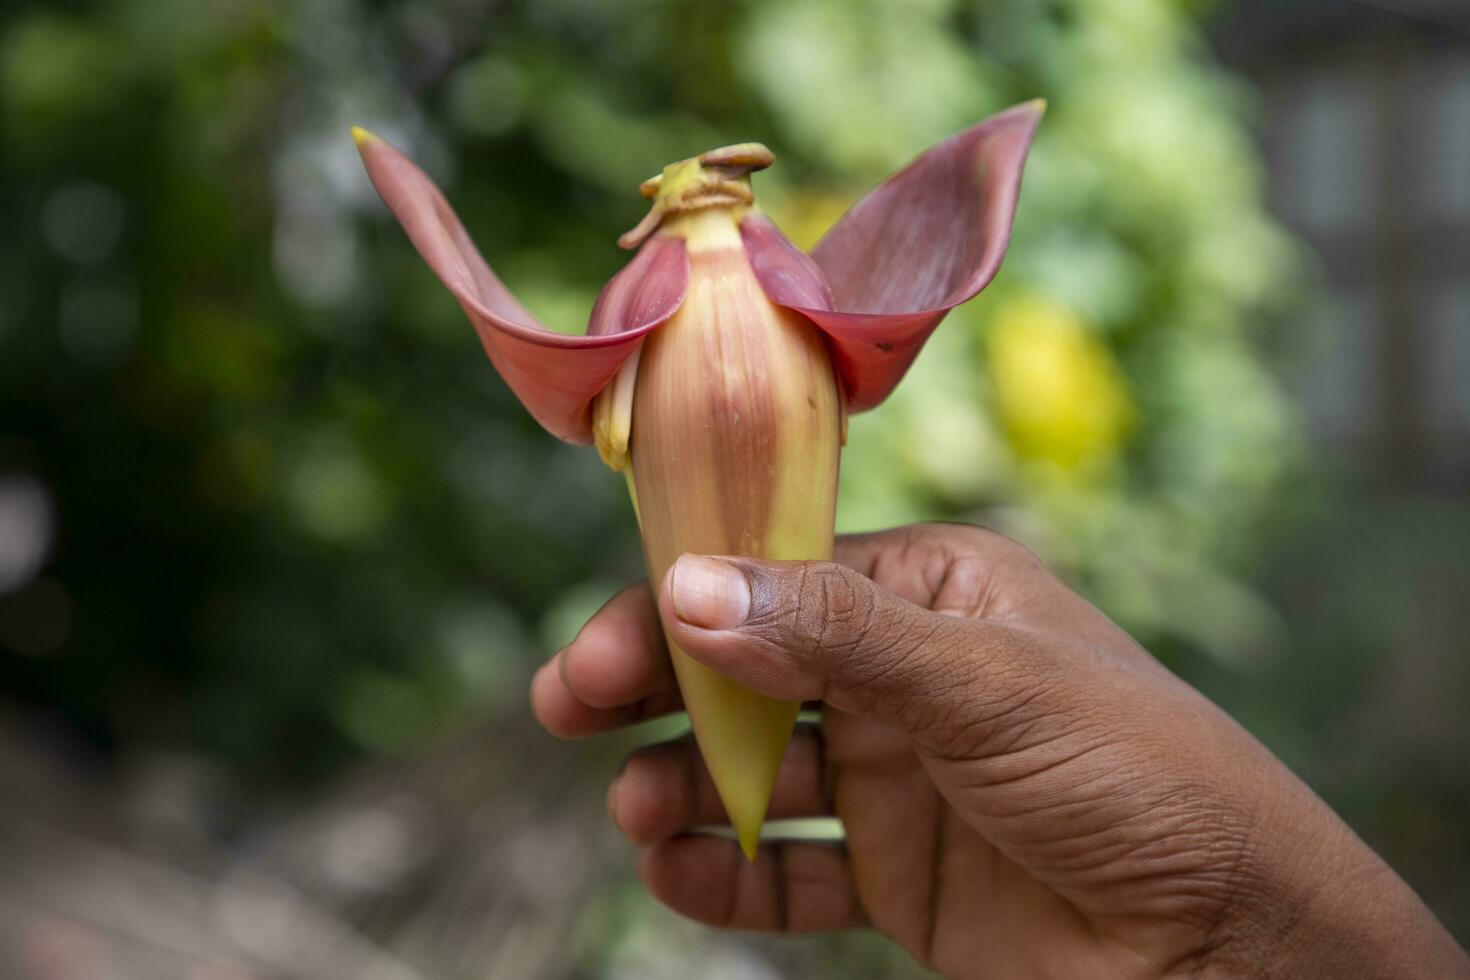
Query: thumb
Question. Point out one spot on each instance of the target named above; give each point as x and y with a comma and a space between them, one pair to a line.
809, 630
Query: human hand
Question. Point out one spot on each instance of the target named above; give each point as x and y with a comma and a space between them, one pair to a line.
1025, 790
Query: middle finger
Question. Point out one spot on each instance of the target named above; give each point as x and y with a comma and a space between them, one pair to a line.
665, 789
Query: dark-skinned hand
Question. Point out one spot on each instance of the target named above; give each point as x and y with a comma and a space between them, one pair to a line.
1025, 790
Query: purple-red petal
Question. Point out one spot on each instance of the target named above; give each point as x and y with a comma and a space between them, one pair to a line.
788, 275
871, 351
921, 243
555, 375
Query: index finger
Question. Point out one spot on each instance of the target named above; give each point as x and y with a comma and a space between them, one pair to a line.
615, 673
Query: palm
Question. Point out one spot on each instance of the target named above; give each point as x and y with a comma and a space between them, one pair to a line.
924, 876
968, 857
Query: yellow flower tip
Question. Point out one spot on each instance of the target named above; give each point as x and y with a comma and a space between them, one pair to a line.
1040, 105
750, 840
718, 178
362, 137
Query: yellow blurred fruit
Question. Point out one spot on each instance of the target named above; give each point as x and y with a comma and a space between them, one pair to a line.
1058, 393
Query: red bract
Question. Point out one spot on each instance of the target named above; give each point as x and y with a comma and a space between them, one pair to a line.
921, 243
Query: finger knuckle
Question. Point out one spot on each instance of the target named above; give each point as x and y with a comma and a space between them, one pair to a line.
824, 612
836, 614
980, 542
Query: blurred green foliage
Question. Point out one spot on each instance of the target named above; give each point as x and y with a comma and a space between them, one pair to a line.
297, 515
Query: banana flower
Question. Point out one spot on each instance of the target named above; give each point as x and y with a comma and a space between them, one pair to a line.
719, 365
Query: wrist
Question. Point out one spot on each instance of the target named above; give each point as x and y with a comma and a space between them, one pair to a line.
1315, 901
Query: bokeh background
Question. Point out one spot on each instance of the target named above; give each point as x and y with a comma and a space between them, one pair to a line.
279, 551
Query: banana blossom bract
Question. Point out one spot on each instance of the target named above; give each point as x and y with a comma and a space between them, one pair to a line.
718, 366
